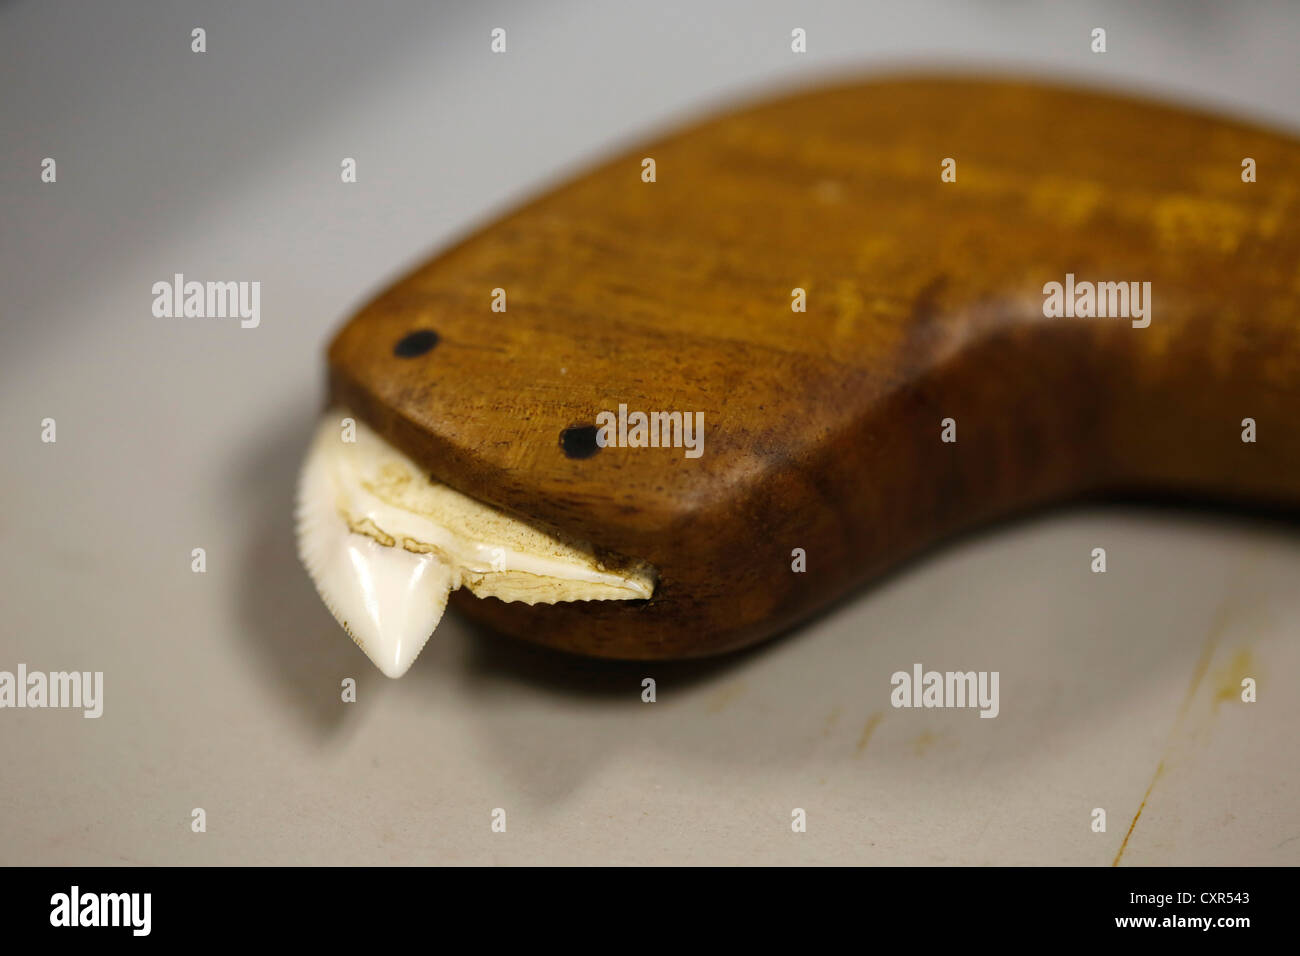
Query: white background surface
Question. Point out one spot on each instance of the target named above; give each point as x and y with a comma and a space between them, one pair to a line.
222, 690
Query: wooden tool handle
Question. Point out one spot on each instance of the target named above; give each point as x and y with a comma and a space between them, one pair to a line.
823, 429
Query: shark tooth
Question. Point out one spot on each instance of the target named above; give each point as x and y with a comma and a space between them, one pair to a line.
385, 546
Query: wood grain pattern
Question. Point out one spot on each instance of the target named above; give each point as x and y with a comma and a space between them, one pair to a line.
924, 302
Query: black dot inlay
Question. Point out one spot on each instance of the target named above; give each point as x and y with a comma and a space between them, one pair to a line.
579, 441
417, 343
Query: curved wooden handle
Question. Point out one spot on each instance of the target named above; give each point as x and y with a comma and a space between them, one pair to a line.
925, 301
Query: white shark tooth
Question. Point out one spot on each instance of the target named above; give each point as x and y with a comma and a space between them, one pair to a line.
388, 599
385, 546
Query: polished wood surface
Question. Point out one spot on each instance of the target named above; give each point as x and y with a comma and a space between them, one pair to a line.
924, 302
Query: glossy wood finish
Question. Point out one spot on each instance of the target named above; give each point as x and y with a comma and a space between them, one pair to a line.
924, 302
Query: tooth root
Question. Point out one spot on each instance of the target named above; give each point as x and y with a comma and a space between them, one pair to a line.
388, 599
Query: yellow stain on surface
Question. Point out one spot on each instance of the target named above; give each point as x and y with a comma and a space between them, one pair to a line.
923, 742
867, 730
1229, 677
831, 719
725, 696
1226, 683
1222, 615
1160, 768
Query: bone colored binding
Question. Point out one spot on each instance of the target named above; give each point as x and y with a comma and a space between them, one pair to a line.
385, 545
